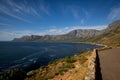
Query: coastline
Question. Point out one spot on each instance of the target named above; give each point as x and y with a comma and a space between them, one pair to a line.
92, 43
29, 73
61, 62
85, 48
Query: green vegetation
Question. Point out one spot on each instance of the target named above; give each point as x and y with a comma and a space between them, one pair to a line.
58, 67
69, 59
82, 59
65, 67
14, 74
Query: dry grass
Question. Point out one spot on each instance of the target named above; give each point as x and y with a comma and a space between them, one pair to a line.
69, 68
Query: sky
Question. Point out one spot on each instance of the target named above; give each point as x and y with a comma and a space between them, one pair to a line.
54, 17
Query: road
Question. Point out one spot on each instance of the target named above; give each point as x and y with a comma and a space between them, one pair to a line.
110, 64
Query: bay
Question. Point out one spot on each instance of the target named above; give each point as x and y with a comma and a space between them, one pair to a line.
31, 55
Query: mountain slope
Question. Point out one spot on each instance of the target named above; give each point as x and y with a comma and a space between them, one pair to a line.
110, 36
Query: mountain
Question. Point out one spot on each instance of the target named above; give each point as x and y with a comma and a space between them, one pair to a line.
74, 35
110, 36
27, 38
85, 33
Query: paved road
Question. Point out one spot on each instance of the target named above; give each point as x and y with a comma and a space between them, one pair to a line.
110, 64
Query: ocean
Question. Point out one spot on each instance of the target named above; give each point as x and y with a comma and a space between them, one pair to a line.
32, 55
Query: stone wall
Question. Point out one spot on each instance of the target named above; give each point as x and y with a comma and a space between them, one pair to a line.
91, 67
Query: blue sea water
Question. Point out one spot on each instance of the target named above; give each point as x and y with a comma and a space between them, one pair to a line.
31, 55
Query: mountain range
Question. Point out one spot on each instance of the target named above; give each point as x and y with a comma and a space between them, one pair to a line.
78, 34
109, 36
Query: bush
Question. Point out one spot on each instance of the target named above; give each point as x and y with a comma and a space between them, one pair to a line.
70, 59
64, 68
14, 74
61, 70
82, 59
68, 65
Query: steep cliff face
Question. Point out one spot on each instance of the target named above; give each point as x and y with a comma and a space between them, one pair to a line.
73, 35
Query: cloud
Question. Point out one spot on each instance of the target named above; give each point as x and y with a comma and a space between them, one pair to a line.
97, 27
87, 13
11, 12
45, 9
58, 31
74, 10
55, 31
23, 9
6, 35
114, 13
34, 11
15, 16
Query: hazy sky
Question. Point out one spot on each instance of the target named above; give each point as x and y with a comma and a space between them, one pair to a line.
40, 17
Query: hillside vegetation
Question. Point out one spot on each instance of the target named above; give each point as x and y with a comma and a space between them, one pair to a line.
69, 68
110, 36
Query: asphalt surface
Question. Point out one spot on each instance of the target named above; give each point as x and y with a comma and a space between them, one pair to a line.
110, 64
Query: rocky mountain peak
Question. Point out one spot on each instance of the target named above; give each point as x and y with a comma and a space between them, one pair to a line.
113, 27
84, 33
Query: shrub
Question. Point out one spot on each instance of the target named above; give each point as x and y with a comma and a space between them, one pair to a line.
70, 59
14, 74
64, 68
82, 59
68, 65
